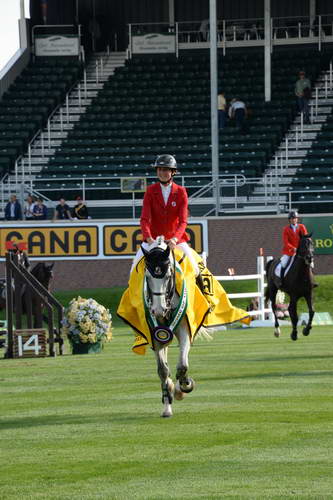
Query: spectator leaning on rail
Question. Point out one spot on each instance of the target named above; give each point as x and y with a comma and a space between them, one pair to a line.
80, 211
29, 207
165, 211
62, 211
13, 209
40, 210
303, 95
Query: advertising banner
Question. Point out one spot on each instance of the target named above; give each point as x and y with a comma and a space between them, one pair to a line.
76, 241
57, 45
322, 233
154, 43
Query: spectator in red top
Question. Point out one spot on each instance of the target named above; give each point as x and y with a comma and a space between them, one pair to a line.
165, 210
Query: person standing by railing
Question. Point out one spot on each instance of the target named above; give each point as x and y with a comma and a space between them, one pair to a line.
303, 95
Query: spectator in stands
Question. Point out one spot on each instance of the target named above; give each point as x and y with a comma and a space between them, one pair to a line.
222, 110
238, 112
303, 95
204, 30
13, 210
80, 211
40, 210
30, 202
62, 210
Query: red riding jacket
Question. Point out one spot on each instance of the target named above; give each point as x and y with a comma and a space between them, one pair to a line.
292, 238
169, 220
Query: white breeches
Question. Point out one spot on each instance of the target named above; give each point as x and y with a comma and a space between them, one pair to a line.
182, 246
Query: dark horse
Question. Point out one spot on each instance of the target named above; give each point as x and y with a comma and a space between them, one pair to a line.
297, 283
41, 271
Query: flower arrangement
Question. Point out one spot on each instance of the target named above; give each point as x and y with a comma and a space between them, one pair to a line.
281, 307
87, 322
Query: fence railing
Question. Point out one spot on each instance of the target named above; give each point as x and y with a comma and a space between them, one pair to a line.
238, 32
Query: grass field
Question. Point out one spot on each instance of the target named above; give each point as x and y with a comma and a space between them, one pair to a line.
259, 423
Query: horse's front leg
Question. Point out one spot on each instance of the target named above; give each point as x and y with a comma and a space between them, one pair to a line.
167, 386
272, 298
184, 383
294, 317
309, 301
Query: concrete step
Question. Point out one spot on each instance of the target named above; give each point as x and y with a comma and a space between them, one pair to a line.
292, 153
313, 127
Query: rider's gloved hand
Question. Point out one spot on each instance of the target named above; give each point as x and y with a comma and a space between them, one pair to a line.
172, 243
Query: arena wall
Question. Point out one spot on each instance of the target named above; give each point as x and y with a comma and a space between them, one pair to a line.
234, 242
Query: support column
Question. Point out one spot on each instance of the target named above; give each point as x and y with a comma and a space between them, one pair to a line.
213, 102
312, 11
268, 46
23, 27
171, 12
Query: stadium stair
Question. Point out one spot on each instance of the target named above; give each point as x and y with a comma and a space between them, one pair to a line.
302, 161
48, 139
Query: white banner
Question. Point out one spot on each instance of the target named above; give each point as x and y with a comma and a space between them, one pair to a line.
154, 42
57, 45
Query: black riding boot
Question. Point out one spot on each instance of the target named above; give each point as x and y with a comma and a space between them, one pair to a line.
283, 269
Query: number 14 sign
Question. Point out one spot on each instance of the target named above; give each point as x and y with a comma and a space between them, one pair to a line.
30, 343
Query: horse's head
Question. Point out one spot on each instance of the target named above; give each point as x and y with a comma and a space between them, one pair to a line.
306, 249
159, 277
44, 273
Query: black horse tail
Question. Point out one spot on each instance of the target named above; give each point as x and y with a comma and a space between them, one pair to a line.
267, 268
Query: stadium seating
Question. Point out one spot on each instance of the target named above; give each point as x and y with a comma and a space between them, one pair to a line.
24, 108
157, 104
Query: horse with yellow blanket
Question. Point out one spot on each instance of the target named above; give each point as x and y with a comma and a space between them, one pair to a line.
163, 300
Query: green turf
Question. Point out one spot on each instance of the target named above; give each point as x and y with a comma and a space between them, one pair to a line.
258, 425
110, 298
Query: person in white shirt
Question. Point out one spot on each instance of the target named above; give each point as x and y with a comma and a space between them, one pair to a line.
238, 112
29, 208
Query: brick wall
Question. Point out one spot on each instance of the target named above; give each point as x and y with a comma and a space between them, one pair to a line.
233, 242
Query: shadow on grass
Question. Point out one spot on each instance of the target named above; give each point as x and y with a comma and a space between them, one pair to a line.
51, 420
273, 375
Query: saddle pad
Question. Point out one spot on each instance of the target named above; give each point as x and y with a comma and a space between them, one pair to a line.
210, 309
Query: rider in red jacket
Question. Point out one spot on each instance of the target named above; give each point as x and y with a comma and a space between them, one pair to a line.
165, 210
291, 237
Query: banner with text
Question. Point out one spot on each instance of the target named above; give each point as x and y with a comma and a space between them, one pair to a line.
322, 233
76, 241
57, 45
154, 43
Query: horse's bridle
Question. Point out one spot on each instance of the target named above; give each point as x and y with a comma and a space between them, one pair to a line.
170, 288
306, 255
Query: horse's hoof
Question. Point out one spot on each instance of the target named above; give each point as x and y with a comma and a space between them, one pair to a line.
188, 386
277, 332
166, 414
178, 393
306, 331
293, 336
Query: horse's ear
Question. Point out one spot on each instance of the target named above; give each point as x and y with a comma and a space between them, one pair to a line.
50, 267
310, 234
